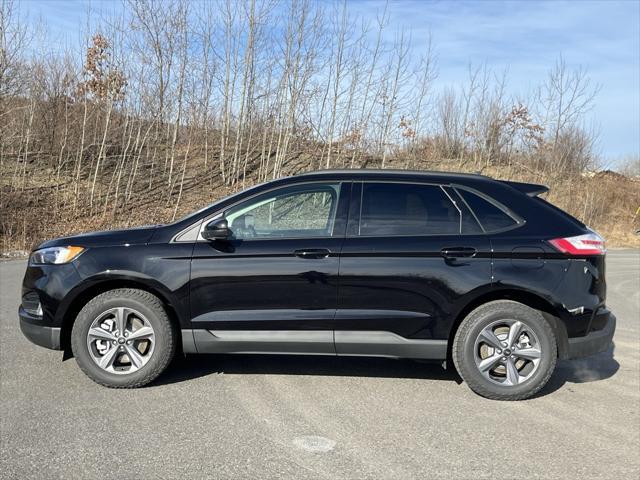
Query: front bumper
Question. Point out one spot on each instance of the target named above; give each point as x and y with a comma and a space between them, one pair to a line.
48, 337
45, 289
595, 342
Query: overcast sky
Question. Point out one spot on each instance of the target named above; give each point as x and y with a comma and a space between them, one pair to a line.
524, 37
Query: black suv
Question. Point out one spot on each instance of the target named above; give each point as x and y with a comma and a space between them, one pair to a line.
478, 273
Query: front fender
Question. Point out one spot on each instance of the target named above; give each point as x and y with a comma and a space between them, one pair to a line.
162, 269
177, 301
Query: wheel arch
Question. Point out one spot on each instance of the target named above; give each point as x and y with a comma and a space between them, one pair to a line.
85, 293
527, 298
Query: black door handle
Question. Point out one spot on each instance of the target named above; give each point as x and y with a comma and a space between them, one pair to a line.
458, 252
313, 253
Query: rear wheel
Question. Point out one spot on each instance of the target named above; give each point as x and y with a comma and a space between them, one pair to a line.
123, 338
505, 350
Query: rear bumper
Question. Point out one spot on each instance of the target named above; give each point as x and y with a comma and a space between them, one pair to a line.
594, 342
48, 337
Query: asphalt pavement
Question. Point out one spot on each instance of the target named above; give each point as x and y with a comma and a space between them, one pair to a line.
319, 417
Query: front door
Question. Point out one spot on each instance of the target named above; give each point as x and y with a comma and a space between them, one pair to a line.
273, 286
413, 254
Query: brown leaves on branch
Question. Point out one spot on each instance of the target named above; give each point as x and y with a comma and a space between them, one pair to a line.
406, 130
103, 79
518, 122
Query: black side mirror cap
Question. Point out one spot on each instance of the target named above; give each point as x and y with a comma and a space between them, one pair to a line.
217, 230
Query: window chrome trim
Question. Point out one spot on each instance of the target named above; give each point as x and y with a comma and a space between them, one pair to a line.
457, 208
519, 221
331, 188
455, 186
218, 213
405, 182
473, 214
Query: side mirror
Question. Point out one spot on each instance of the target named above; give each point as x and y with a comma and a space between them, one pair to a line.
217, 230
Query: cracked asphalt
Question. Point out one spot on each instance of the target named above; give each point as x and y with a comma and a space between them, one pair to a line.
319, 417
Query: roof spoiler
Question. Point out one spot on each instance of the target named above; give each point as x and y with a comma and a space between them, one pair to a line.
531, 189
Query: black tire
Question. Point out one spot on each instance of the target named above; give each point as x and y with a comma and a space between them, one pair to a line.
464, 345
147, 304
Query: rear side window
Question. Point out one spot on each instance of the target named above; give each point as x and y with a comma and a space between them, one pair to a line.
408, 209
490, 216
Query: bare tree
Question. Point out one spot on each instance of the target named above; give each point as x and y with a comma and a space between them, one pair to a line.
106, 83
566, 96
14, 39
172, 102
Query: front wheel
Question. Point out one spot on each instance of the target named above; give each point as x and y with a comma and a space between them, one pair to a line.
123, 338
505, 350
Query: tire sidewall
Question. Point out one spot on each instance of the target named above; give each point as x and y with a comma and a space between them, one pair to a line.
480, 319
153, 313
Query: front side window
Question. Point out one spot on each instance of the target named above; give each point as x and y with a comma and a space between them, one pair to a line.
291, 212
408, 209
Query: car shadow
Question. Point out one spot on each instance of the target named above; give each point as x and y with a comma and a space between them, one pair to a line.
195, 366
582, 370
185, 368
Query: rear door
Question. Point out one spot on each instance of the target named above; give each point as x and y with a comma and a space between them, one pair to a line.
273, 286
413, 255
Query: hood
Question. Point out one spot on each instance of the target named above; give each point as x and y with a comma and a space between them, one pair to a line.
107, 238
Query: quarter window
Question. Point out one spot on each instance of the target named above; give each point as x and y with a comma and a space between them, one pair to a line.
489, 215
408, 209
298, 211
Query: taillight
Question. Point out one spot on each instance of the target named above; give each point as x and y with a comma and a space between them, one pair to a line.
587, 244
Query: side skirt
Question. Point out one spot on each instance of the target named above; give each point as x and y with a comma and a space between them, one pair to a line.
312, 342
387, 344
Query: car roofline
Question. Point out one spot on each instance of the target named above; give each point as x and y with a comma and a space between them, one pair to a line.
380, 172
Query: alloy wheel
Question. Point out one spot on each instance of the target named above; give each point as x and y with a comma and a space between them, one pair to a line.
121, 340
507, 352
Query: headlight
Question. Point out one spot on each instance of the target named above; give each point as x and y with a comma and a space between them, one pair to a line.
55, 255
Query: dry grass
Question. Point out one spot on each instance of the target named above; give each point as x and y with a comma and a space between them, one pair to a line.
47, 206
